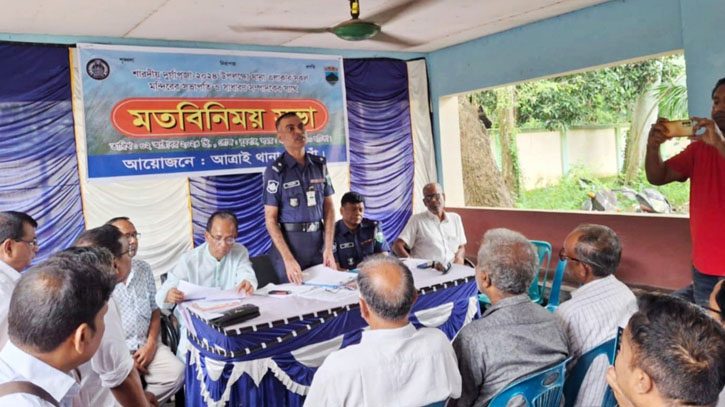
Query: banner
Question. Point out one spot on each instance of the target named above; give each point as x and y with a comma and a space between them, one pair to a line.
155, 111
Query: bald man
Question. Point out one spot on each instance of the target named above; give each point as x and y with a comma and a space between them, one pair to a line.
434, 234
394, 364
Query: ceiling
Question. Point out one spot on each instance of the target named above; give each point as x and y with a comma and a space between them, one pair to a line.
433, 24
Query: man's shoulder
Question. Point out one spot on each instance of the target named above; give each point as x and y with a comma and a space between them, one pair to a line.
369, 223
239, 251
275, 168
453, 216
432, 336
317, 159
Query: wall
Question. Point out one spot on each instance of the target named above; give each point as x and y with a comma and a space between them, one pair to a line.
656, 249
595, 149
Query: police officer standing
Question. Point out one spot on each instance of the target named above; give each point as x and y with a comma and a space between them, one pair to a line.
355, 236
298, 208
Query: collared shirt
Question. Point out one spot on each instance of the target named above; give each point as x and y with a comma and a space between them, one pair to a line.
430, 238
389, 367
137, 301
201, 268
515, 337
109, 366
589, 318
8, 279
297, 191
351, 247
16, 365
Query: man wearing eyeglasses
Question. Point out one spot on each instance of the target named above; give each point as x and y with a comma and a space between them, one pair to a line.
434, 234
220, 262
17, 250
141, 318
598, 307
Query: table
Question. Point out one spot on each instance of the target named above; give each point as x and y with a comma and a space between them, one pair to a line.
271, 360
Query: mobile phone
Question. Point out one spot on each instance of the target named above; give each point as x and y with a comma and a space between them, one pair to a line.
679, 128
279, 292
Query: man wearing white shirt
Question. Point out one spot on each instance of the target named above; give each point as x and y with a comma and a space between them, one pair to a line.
394, 364
110, 373
56, 323
434, 234
220, 262
598, 307
17, 249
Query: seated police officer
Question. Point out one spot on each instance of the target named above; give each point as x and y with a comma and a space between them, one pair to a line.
356, 237
297, 199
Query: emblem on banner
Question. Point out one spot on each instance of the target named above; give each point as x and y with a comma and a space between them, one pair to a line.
98, 69
272, 186
331, 75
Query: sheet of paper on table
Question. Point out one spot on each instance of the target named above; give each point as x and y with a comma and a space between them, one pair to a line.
323, 276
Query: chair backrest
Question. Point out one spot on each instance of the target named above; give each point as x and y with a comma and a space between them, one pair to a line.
540, 389
264, 270
553, 303
577, 374
544, 250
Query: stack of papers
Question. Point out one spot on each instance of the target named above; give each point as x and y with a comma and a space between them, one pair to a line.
322, 276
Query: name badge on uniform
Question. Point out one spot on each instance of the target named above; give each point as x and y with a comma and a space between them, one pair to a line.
348, 245
311, 200
294, 202
292, 184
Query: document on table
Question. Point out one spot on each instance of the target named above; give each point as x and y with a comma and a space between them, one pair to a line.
322, 276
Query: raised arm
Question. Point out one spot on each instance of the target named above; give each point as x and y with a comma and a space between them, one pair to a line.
657, 172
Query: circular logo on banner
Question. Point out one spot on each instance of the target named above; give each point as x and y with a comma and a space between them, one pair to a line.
98, 69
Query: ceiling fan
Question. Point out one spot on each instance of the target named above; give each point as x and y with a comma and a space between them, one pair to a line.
354, 29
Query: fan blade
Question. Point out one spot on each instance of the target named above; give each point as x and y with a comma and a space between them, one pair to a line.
390, 13
393, 39
247, 28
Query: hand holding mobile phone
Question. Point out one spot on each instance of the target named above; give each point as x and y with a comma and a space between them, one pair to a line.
279, 292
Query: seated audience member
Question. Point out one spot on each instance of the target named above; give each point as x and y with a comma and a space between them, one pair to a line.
17, 249
110, 373
356, 237
598, 307
141, 318
55, 324
220, 262
672, 354
394, 364
434, 234
716, 306
515, 336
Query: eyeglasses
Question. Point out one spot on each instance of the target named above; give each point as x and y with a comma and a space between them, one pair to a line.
126, 252
563, 256
32, 243
132, 234
227, 240
431, 197
716, 311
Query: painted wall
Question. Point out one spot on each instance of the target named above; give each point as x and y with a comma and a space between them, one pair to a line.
655, 250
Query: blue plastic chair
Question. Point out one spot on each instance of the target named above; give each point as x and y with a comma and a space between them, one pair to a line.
553, 303
576, 376
535, 293
541, 389
544, 250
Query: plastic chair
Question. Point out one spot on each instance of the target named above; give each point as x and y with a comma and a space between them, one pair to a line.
540, 389
553, 303
264, 270
577, 374
544, 250
535, 293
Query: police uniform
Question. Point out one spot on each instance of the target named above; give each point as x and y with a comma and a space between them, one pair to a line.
352, 247
299, 194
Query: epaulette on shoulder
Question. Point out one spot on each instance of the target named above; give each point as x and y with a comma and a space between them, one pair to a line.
278, 165
370, 222
318, 159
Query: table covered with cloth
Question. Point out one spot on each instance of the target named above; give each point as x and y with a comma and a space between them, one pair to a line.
271, 359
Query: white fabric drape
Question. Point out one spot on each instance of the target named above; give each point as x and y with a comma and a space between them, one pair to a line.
159, 208
420, 123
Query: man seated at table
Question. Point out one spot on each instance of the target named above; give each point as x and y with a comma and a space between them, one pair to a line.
356, 237
434, 234
598, 307
672, 354
141, 318
394, 364
55, 324
515, 336
220, 262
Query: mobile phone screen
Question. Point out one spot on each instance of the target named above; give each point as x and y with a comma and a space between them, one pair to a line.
279, 292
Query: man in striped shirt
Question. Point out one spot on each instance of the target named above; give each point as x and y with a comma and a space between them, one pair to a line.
598, 307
